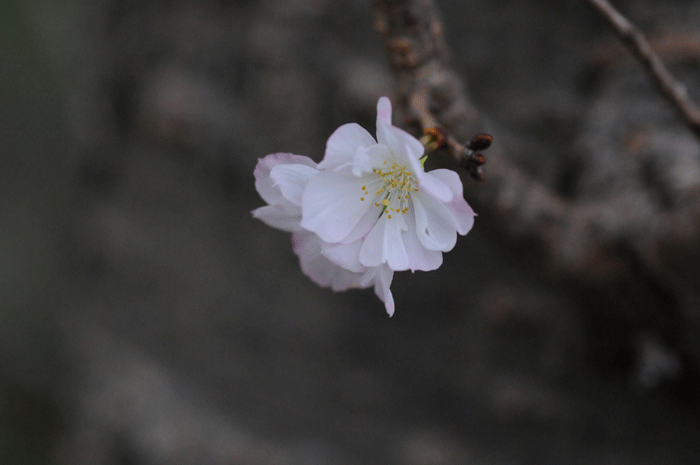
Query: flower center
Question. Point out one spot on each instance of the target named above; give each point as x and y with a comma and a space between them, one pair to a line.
396, 185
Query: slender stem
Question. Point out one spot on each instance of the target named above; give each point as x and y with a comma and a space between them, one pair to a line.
671, 89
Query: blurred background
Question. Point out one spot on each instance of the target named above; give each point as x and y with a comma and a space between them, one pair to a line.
148, 319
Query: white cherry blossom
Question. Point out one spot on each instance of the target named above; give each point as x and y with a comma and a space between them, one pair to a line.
280, 179
367, 210
377, 192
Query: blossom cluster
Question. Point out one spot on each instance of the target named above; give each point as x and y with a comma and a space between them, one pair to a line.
366, 210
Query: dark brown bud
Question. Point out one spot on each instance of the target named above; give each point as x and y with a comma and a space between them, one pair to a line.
480, 142
478, 158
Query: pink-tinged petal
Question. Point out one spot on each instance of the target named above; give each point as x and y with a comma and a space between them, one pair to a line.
331, 204
343, 280
384, 244
287, 218
461, 211
264, 184
419, 258
307, 246
323, 272
435, 226
382, 283
346, 256
384, 109
463, 214
402, 144
291, 180
343, 144
384, 134
367, 278
430, 184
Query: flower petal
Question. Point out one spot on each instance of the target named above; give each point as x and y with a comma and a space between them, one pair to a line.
287, 218
331, 204
461, 211
366, 158
419, 258
382, 283
264, 184
384, 244
402, 144
291, 180
365, 224
342, 145
435, 225
307, 246
346, 256
430, 184
384, 109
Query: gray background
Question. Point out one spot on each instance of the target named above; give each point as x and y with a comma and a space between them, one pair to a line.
148, 319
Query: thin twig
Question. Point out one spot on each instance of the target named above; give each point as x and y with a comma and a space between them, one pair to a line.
673, 90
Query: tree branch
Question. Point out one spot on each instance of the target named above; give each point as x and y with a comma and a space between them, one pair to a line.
597, 243
642, 260
672, 90
562, 237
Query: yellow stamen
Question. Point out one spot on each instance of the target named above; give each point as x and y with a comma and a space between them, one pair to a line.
396, 184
